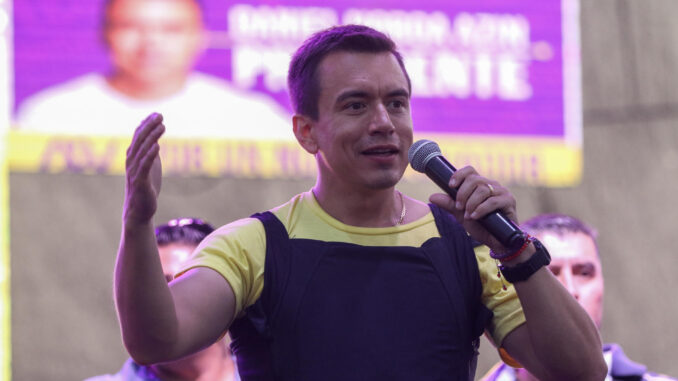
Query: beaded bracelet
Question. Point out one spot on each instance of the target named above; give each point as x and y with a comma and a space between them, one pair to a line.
508, 256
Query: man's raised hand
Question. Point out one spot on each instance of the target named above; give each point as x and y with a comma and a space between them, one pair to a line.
143, 171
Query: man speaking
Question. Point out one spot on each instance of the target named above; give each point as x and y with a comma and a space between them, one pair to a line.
351, 280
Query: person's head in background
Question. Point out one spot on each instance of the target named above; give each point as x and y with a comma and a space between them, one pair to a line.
574, 258
153, 44
176, 241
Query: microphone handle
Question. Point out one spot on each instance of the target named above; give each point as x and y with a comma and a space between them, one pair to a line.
503, 229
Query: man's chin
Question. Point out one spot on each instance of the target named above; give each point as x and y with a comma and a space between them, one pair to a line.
386, 180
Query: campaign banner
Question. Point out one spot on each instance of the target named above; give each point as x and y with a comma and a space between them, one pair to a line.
499, 71
495, 82
534, 161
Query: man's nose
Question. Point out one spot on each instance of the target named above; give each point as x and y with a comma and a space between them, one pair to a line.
381, 121
151, 34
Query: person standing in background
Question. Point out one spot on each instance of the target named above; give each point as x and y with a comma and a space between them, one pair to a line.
176, 241
575, 261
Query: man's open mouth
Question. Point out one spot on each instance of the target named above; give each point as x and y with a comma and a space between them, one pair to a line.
381, 151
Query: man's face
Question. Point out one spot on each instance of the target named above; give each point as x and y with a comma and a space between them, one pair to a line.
364, 127
575, 262
172, 256
154, 40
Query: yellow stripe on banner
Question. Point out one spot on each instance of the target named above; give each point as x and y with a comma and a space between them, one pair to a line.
529, 161
32, 152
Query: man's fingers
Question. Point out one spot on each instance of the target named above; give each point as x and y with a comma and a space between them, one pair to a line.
477, 196
147, 126
468, 182
442, 200
135, 137
485, 207
446, 202
503, 201
156, 173
152, 138
141, 133
484, 194
460, 175
146, 161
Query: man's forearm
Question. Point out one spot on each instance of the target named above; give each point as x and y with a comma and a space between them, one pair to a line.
563, 337
143, 300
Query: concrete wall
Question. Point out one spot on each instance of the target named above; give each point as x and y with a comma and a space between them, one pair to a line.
65, 228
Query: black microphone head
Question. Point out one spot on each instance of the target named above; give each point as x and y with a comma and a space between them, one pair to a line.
421, 152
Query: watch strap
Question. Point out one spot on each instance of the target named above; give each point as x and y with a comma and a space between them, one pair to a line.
524, 270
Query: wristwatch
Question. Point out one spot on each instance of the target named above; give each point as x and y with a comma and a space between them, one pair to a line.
522, 271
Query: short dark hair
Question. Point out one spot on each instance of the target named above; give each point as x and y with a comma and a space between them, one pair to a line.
187, 231
559, 224
302, 79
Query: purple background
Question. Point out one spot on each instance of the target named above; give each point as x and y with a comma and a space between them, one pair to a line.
57, 41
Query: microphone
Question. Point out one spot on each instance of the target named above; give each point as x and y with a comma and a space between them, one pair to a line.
425, 157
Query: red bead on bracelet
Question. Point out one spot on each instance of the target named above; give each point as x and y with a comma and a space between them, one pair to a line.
515, 254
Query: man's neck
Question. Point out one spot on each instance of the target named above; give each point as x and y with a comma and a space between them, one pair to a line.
367, 207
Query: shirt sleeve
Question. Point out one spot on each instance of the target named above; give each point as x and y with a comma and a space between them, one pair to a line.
508, 313
237, 251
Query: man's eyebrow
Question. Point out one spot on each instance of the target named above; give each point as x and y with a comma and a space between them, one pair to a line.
399, 93
351, 94
585, 265
364, 94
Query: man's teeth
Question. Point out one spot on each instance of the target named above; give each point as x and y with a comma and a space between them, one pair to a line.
380, 152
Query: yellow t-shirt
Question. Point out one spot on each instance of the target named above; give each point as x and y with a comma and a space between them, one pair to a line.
237, 251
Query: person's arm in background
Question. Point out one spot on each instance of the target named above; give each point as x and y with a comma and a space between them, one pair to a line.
558, 341
160, 322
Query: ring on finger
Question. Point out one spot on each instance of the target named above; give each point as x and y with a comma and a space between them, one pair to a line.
491, 188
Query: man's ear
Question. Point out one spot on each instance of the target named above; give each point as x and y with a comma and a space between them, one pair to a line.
303, 131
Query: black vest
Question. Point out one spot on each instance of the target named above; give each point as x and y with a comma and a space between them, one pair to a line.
340, 311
